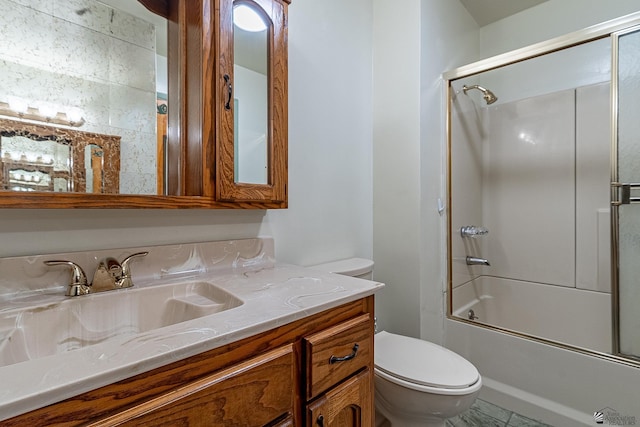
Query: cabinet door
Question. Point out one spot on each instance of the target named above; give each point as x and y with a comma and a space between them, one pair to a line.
349, 404
258, 392
252, 103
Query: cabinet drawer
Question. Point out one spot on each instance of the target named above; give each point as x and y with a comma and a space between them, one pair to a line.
337, 352
253, 393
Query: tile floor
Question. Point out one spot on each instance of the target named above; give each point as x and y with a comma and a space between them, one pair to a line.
485, 414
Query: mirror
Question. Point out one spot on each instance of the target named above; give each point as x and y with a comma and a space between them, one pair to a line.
251, 93
97, 69
46, 158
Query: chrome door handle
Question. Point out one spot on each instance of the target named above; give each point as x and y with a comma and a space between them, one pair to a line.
625, 193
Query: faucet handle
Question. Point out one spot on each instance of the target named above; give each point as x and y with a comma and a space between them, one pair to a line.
473, 231
125, 278
78, 285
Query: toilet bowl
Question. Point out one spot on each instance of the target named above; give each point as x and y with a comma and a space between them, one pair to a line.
417, 383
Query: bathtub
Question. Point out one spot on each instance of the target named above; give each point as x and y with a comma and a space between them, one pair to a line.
560, 386
571, 316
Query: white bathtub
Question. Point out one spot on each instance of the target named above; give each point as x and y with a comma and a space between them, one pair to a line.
556, 385
572, 316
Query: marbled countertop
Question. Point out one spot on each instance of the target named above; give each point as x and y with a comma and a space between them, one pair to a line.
271, 296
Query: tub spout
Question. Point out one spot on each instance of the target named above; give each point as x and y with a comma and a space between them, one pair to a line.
471, 260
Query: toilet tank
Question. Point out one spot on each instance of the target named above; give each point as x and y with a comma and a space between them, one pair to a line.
354, 267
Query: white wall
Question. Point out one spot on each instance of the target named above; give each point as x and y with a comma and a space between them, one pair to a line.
449, 39
550, 19
396, 155
330, 192
413, 45
330, 134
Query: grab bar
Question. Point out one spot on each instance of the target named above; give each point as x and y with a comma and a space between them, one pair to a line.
625, 193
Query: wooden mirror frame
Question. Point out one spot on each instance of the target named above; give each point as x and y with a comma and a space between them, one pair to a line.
77, 141
194, 50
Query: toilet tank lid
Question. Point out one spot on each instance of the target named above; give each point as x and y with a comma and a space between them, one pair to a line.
422, 362
348, 267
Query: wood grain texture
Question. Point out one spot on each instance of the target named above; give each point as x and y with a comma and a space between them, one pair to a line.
277, 76
159, 7
338, 341
43, 200
123, 395
347, 405
252, 393
78, 141
199, 147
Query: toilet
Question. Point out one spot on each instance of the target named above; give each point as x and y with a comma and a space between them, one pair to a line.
417, 383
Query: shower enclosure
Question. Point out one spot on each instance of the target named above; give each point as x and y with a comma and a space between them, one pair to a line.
543, 172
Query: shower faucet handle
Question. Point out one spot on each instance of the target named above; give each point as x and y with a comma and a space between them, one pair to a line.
473, 231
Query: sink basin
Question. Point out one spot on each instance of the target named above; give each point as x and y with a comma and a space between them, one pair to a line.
42, 330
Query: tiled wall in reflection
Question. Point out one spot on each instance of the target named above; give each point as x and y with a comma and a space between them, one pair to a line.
82, 53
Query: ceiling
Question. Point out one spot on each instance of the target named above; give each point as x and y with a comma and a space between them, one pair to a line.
487, 11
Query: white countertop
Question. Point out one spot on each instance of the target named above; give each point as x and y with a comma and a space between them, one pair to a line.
271, 297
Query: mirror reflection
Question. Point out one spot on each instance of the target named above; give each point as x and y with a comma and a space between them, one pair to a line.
35, 165
47, 158
94, 67
251, 94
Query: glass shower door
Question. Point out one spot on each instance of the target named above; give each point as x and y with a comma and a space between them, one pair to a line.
626, 194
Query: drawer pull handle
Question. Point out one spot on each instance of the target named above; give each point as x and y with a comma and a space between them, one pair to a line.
336, 359
320, 421
229, 87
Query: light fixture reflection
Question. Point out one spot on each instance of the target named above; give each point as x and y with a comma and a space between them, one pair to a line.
246, 18
44, 112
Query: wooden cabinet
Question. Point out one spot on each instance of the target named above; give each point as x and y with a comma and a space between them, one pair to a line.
253, 393
201, 161
252, 72
339, 364
346, 405
217, 142
284, 377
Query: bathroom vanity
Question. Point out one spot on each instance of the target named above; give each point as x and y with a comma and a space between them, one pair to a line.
294, 348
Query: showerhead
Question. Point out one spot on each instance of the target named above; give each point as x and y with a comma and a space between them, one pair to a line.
489, 97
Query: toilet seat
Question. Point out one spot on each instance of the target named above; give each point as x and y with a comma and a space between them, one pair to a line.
423, 366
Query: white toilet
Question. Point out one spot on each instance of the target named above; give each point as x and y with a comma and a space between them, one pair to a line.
418, 383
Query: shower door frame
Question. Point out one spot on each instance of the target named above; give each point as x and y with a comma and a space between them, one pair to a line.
616, 201
609, 29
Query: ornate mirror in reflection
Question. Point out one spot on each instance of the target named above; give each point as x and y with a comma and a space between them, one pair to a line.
251, 95
90, 68
47, 158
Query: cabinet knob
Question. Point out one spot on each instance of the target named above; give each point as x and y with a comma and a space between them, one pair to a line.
336, 359
320, 420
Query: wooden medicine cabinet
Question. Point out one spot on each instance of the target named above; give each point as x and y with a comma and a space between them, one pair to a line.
196, 103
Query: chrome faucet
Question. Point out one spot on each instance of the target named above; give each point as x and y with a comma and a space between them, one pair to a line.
471, 260
109, 275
